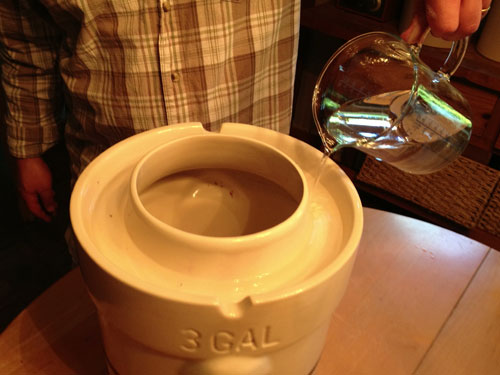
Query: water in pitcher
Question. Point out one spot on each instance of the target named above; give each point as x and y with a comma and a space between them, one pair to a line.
418, 138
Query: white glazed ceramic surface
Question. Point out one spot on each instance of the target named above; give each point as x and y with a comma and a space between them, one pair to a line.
232, 222
187, 296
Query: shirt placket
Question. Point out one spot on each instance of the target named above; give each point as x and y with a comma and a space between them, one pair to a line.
166, 45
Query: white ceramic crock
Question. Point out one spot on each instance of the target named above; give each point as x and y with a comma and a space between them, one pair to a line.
198, 278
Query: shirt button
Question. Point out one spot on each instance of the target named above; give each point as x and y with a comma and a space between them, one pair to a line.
175, 77
166, 6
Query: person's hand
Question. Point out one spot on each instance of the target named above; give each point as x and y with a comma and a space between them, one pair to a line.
447, 19
35, 186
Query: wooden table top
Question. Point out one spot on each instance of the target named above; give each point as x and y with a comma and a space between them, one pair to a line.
421, 300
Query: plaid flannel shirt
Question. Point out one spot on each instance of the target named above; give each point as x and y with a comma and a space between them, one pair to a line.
107, 69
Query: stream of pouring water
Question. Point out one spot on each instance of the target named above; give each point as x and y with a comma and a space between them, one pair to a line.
327, 153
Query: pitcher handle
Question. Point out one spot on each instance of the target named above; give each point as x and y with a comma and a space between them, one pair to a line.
454, 58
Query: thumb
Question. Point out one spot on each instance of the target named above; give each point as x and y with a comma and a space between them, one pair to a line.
415, 32
48, 201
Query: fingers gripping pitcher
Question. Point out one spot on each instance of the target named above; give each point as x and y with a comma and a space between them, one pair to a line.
375, 94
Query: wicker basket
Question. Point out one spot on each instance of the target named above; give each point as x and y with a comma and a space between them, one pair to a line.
490, 219
459, 192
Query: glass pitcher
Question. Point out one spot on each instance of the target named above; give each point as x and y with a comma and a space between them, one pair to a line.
375, 94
